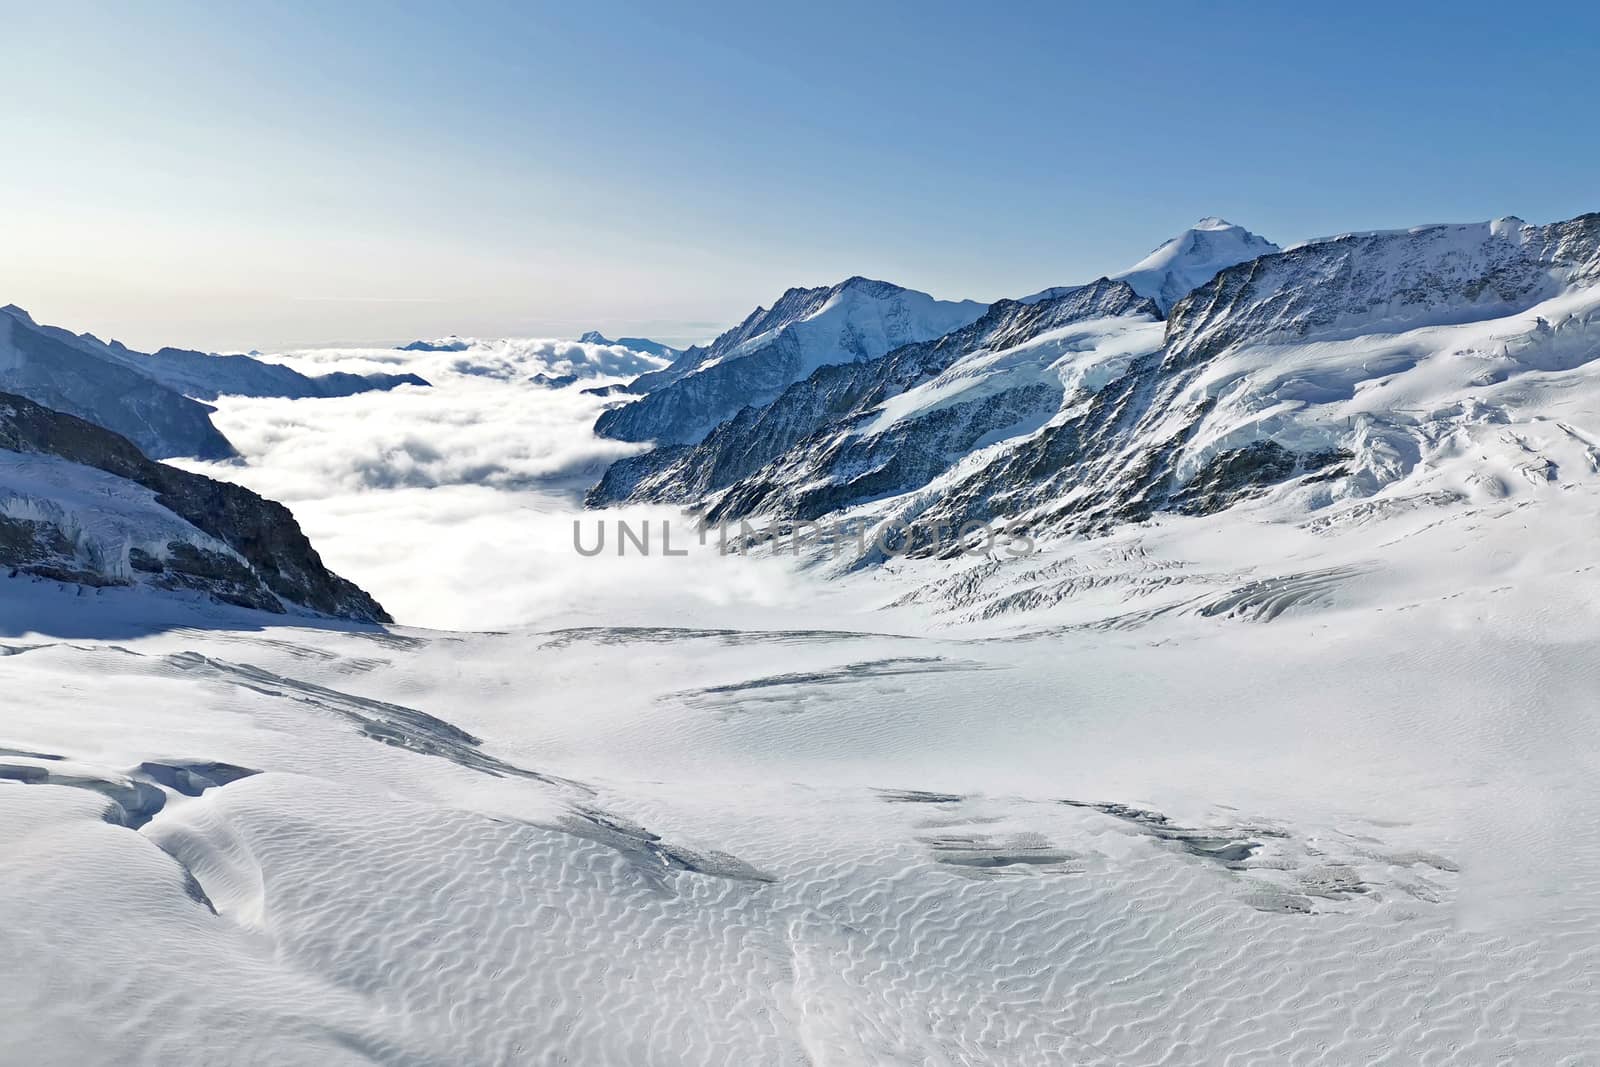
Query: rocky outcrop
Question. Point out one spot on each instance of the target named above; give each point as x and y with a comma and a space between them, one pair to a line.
187, 531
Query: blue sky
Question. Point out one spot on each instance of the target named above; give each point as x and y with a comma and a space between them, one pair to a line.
237, 176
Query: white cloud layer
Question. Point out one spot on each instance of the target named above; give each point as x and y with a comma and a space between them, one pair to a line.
454, 504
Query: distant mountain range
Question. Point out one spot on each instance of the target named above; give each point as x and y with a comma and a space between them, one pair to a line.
592, 337
547, 361
636, 344
151, 399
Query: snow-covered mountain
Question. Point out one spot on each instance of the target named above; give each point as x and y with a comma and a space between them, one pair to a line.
855, 321
675, 404
1185, 262
80, 504
636, 344
1193, 258
151, 399
1267, 375
1385, 282
1348, 368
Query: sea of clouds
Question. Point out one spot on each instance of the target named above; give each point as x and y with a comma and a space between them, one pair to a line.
454, 504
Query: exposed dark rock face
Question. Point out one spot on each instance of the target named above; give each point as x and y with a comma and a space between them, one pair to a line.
1114, 460
43, 549
275, 563
554, 381
1231, 476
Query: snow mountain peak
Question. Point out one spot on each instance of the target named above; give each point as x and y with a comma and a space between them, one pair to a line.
1192, 258
856, 320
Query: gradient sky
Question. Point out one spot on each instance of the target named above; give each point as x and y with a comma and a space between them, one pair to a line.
238, 176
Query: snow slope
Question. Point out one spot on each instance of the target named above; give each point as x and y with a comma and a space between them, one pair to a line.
1237, 788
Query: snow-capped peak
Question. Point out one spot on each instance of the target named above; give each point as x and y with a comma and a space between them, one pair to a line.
1192, 258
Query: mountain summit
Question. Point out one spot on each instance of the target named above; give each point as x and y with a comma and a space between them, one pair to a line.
857, 320
1193, 258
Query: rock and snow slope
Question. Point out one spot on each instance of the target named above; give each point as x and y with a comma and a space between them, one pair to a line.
206, 376
833, 418
1339, 366
54, 368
